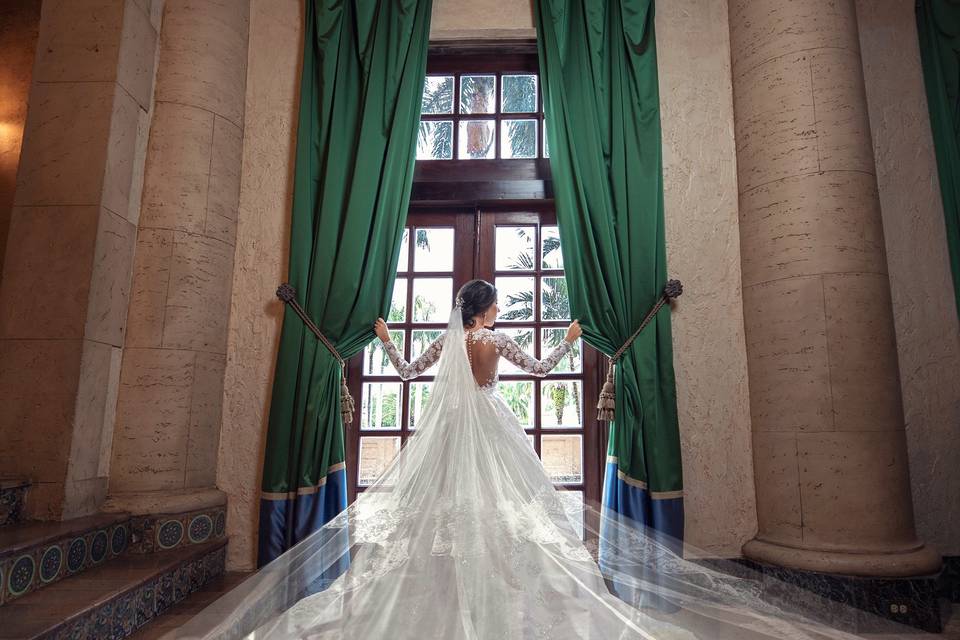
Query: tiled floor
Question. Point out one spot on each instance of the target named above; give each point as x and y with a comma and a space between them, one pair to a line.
180, 613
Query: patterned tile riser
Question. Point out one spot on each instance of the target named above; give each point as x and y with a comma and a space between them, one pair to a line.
30, 569
161, 532
11, 504
120, 617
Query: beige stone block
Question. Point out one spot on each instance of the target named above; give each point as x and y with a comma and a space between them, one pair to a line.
148, 297
198, 305
775, 122
46, 283
44, 501
177, 169
843, 126
39, 379
138, 49
863, 353
205, 417
787, 356
761, 31
79, 41
811, 224
203, 56
856, 491
99, 377
153, 420
139, 165
84, 497
109, 300
776, 467
121, 153
65, 144
156, 13
224, 195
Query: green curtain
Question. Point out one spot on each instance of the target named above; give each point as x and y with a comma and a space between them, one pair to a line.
938, 25
598, 65
363, 70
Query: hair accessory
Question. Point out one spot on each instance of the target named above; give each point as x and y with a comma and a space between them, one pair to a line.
459, 303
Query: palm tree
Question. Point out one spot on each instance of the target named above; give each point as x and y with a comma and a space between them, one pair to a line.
556, 304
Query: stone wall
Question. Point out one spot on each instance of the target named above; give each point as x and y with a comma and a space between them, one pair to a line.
19, 26
928, 335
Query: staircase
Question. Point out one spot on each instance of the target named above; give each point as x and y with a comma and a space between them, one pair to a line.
106, 575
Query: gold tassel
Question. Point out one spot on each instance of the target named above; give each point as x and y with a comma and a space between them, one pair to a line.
347, 405
608, 398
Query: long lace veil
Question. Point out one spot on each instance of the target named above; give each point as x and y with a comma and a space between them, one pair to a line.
463, 536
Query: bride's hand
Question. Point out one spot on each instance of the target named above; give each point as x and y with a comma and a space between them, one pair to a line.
380, 328
573, 331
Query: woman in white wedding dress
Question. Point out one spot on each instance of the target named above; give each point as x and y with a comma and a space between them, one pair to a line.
465, 537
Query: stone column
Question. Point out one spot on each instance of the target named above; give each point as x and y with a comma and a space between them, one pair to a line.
66, 281
171, 384
830, 459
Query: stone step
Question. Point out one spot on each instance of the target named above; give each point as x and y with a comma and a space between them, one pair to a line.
114, 599
181, 613
36, 555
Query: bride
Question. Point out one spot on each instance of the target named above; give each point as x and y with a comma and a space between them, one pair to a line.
465, 537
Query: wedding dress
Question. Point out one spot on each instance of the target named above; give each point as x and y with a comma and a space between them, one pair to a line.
465, 537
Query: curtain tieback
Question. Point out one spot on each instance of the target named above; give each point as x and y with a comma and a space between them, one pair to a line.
288, 294
608, 395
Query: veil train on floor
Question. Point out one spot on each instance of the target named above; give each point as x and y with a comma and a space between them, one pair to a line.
464, 536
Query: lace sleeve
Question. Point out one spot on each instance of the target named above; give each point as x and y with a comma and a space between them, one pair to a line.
418, 366
509, 349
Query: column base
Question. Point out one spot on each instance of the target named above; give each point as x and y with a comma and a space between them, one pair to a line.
921, 560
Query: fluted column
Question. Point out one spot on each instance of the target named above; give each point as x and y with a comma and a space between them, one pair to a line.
171, 383
830, 459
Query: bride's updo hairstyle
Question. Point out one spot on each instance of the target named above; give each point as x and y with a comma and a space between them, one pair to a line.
475, 298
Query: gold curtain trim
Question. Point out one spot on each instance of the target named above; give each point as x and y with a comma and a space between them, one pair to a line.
303, 491
640, 484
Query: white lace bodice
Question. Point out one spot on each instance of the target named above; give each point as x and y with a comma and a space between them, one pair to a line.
484, 348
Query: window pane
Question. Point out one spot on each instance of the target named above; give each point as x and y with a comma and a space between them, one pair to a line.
562, 457
554, 299
398, 305
514, 248
524, 338
432, 299
519, 94
433, 250
518, 139
421, 340
519, 397
435, 140
437, 95
550, 254
404, 251
550, 340
515, 297
375, 360
561, 404
476, 94
380, 408
476, 140
419, 395
573, 506
546, 145
376, 454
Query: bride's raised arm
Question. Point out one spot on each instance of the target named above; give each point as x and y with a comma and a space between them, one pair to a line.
408, 370
508, 348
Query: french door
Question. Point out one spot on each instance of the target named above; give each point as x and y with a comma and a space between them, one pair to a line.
518, 251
